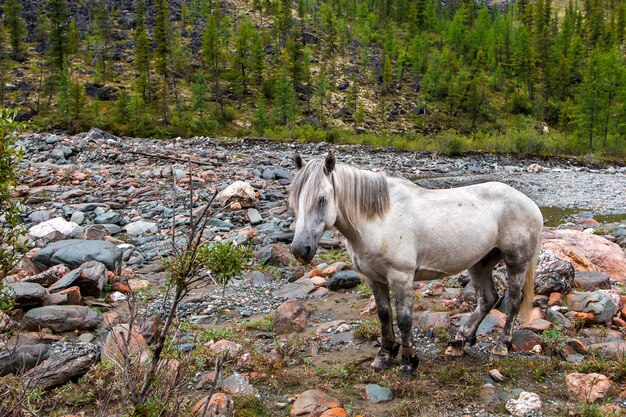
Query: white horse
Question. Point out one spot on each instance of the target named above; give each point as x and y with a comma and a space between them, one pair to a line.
398, 232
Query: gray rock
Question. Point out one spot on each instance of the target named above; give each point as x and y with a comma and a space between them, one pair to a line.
141, 227
296, 290
61, 368
378, 394
49, 276
254, 216
61, 318
558, 319
75, 252
40, 216
26, 294
343, 279
257, 278
433, 319
599, 303
78, 217
52, 139
90, 278
110, 217
553, 274
95, 232
591, 281
237, 384
19, 359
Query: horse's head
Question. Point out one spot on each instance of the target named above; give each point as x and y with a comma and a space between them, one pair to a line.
312, 197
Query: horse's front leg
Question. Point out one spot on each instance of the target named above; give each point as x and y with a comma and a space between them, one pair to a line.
389, 346
402, 286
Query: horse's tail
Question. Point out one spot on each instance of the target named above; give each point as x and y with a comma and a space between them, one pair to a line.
529, 284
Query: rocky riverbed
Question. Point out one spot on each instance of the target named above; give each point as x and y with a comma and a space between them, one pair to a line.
100, 211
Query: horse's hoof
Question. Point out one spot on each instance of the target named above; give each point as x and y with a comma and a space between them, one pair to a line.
500, 349
407, 371
454, 351
381, 363
457, 343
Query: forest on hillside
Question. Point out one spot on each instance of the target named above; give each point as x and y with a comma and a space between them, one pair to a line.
525, 76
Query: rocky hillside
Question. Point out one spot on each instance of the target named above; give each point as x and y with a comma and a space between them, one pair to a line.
284, 338
447, 76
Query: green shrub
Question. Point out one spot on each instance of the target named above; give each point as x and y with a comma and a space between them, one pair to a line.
225, 260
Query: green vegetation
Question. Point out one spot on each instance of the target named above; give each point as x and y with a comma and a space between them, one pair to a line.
224, 260
524, 76
368, 329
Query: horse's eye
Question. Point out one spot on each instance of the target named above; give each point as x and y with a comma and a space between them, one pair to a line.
321, 202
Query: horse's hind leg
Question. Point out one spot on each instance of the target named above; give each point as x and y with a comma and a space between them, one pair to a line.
516, 279
486, 296
389, 346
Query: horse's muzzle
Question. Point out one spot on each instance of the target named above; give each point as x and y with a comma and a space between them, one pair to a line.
303, 252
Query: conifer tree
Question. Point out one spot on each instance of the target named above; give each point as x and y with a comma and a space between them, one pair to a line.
284, 99
59, 21
211, 54
243, 53
14, 24
260, 118
162, 50
101, 33
142, 51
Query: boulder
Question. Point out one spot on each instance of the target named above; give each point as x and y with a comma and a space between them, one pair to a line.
291, 316
49, 276
237, 384
378, 394
588, 387
26, 294
433, 319
141, 227
313, 403
61, 318
110, 217
61, 368
96, 232
275, 255
18, 359
90, 278
40, 216
75, 252
335, 412
296, 290
220, 405
221, 347
121, 343
55, 229
238, 192
591, 281
343, 279
586, 251
598, 303
553, 274
524, 341
526, 403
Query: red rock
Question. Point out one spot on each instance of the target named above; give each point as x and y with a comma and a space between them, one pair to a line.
73, 295
313, 403
623, 310
538, 325
121, 287
318, 281
433, 319
149, 329
220, 405
588, 387
586, 251
119, 343
235, 206
334, 412
556, 298
111, 319
524, 341
535, 314
619, 322
291, 316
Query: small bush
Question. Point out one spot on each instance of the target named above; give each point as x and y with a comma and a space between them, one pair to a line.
368, 329
225, 260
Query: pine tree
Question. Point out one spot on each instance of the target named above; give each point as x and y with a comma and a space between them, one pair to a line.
142, 52
14, 24
200, 95
211, 54
260, 118
59, 21
284, 99
589, 101
243, 52
3, 63
101, 34
321, 90
162, 50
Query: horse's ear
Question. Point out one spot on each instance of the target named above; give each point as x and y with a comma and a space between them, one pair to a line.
329, 163
299, 161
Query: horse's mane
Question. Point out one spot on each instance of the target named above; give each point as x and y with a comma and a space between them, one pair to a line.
360, 194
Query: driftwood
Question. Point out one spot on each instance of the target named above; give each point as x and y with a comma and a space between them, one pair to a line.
60, 369
171, 158
49, 276
21, 358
